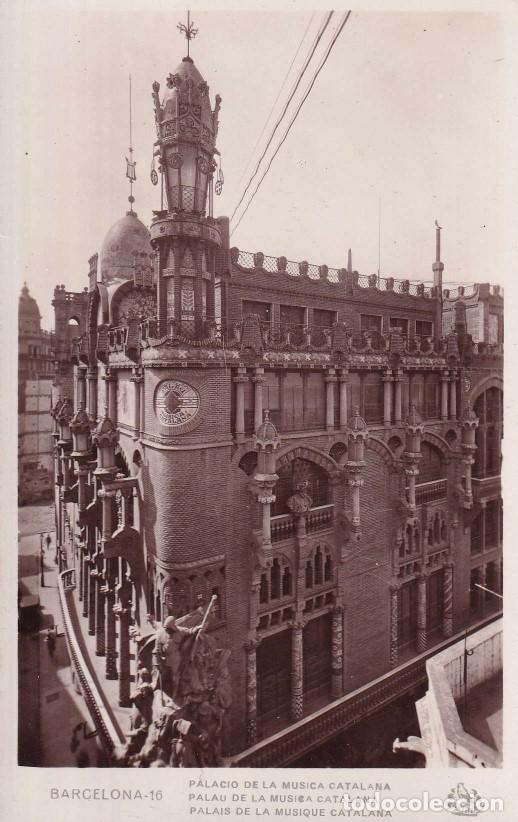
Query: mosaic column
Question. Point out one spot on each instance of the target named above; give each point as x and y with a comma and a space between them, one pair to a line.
330, 380
394, 618
387, 398
337, 653
92, 596
297, 671
111, 393
421, 613
111, 629
240, 380
355, 483
251, 691
85, 563
258, 380
123, 612
481, 594
343, 398
447, 622
398, 413
444, 395
100, 613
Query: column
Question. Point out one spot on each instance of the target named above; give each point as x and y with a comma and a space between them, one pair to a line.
330, 380
100, 614
265, 501
453, 396
297, 671
410, 380
86, 587
394, 608
387, 398
258, 379
251, 691
124, 614
398, 415
92, 585
337, 654
444, 395
136, 379
91, 376
81, 387
240, 379
343, 398
421, 613
111, 394
355, 483
447, 622
111, 632
411, 473
80, 585
481, 594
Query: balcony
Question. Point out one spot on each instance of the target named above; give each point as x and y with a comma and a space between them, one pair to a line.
319, 518
433, 491
486, 487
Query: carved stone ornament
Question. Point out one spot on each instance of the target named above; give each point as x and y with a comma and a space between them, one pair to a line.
301, 502
178, 708
176, 402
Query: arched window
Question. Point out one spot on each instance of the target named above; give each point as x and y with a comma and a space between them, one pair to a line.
276, 582
431, 466
301, 471
248, 462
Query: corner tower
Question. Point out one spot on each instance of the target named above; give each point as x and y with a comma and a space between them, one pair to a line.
184, 232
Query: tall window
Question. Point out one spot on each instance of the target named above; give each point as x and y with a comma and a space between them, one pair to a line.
373, 398
432, 396
423, 328
263, 310
370, 323
398, 322
489, 411
323, 318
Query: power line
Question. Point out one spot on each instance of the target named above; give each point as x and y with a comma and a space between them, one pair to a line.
292, 93
306, 95
277, 98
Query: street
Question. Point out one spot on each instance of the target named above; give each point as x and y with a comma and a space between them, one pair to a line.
49, 705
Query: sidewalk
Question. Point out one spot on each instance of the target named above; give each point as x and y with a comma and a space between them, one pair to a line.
49, 706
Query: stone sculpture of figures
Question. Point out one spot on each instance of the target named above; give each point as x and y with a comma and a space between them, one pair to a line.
177, 713
168, 653
300, 502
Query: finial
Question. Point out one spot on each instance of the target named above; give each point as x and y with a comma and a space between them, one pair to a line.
438, 230
266, 415
188, 30
131, 173
350, 261
105, 409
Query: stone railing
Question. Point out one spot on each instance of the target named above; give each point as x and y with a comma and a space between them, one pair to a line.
282, 527
109, 734
258, 261
319, 518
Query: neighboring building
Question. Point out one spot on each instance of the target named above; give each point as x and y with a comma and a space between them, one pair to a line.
482, 308
340, 534
460, 717
35, 425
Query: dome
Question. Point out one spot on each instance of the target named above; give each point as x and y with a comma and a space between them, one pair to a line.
28, 305
126, 240
187, 82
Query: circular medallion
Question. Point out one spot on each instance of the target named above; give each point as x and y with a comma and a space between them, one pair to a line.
176, 402
154, 177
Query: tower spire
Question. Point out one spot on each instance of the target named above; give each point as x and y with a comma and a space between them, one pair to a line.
188, 30
130, 163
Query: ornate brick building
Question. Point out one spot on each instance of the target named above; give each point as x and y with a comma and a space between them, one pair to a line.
340, 530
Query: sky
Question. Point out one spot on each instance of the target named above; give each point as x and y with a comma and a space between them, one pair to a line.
406, 123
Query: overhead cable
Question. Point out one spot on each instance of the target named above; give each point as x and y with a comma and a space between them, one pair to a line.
292, 93
306, 95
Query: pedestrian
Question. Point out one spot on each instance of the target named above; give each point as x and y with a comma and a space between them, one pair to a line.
51, 641
48, 541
